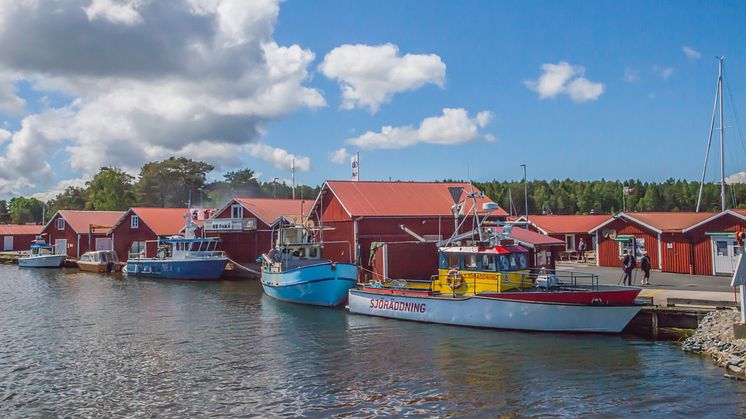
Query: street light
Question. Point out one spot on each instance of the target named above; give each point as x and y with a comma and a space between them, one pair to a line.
525, 192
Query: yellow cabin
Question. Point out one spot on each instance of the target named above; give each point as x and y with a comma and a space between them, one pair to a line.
471, 270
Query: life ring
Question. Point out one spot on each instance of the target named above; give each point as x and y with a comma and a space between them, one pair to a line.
455, 279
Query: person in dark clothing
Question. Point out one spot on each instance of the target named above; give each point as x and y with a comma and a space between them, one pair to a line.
581, 251
645, 266
628, 265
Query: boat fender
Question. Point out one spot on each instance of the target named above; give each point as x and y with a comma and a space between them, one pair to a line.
334, 266
598, 302
455, 279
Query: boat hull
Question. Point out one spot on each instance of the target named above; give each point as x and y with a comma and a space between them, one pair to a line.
46, 261
494, 313
324, 284
204, 269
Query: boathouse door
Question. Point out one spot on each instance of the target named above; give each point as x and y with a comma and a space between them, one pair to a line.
104, 243
60, 247
8, 243
725, 250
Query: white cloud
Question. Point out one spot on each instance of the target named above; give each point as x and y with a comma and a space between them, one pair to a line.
4, 135
148, 80
280, 158
453, 127
370, 75
691, 53
565, 78
735, 178
340, 156
58, 189
630, 75
663, 72
10, 103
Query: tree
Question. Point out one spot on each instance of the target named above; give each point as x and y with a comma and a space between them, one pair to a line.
4, 212
72, 198
25, 210
110, 190
169, 183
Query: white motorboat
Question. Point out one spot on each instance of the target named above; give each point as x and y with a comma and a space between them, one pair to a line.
41, 255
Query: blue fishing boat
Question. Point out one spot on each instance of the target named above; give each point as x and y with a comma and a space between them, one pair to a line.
178, 257
295, 272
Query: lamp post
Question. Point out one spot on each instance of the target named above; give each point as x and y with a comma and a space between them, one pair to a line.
200, 197
525, 192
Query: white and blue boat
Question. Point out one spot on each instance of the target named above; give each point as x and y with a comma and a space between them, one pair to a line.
296, 273
178, 257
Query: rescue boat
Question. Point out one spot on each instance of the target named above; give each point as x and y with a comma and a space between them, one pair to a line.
487, 283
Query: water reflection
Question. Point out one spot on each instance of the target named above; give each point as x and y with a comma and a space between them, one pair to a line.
90, 345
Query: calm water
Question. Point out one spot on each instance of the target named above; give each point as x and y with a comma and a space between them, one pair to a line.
77, 344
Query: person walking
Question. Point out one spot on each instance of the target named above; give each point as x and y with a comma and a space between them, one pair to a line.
581, 251
645, 266
628, 265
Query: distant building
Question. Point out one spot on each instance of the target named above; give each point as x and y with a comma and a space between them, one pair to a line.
568, 228
138, 229
713, 240
76, 232
17, 237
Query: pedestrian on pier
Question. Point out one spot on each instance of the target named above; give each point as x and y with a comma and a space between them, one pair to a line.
581, 251
645, 266
628, 265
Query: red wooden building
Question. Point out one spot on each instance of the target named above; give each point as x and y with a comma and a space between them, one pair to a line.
713, 242
661, 234
137, 229
568, 228
245, 225
17, 237
75, 232
352, 215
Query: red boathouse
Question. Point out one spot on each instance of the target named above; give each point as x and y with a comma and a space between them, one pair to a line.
17, 237
568, 228
76, 232
245, 225
140, 226
713, 242
352, 215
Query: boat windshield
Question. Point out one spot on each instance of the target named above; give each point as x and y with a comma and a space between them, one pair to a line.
484, 262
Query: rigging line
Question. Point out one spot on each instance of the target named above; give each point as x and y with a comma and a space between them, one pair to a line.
734, 110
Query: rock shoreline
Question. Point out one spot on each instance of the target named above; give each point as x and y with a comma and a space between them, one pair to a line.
714, 337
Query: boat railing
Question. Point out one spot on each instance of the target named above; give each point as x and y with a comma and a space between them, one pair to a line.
550, 280
202, 254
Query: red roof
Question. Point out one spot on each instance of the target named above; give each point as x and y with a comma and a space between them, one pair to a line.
269, 210
20, 229
561, 224
406, 199
162, 221
664, 222
79, 221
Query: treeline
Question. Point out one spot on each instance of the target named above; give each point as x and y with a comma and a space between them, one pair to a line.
168, 183
607, 196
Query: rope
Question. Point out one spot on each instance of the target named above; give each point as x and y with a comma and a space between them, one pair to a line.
238, 265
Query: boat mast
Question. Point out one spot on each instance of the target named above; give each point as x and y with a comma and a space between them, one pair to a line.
718, 99
722, 137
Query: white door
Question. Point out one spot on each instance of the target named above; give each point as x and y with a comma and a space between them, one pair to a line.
60, 247
104, 243
8, 243
724, 253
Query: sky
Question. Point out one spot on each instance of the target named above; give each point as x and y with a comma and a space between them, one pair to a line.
423, 90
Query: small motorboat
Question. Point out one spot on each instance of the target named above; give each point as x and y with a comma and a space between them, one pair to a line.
41, 255
99, 261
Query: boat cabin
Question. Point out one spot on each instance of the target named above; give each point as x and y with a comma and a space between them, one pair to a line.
293, 249
178, 247
40, 248
475, 269
100, 256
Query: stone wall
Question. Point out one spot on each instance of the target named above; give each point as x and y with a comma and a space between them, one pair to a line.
714, 337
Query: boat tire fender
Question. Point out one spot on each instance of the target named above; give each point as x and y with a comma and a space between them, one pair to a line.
455, 279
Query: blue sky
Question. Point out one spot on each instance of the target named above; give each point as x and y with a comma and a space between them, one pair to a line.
643, 113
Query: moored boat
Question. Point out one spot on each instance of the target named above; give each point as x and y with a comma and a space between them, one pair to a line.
41, 255
487, 283
178, 257
99, 261
295, 272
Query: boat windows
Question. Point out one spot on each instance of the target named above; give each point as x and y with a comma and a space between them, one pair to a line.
488, 263
504, 263
470, 262
522, 262
313, 252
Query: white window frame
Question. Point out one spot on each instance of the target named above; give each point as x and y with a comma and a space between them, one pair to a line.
572, 248
236, 209
134, 222
60, 223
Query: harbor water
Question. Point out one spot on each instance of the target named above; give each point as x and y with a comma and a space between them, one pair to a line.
87, 345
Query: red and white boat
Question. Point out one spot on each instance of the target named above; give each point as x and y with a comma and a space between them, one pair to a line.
488, 284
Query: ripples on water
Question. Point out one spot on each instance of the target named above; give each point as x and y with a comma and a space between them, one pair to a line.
86, 345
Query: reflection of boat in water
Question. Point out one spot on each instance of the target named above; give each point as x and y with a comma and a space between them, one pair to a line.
488, 284
41, 255
179, 257
295, 272
99, 261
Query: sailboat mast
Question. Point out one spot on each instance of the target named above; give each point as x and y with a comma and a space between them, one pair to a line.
722, 138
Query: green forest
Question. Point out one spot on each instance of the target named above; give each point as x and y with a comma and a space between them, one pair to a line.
175, 181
